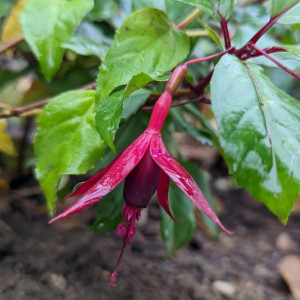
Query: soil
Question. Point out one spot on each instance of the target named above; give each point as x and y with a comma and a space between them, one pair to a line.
63, 261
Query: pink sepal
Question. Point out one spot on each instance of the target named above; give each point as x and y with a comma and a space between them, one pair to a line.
162, 193
115, 173
182, 178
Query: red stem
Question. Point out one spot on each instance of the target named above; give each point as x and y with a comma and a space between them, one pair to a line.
271, 22
275, 61
199, 60
224, 26
198, 99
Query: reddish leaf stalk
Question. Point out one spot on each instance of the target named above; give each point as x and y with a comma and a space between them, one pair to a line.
294, 74
199, 60
270, 23
224, 26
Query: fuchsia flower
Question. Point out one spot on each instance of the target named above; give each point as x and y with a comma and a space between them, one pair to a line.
146, 167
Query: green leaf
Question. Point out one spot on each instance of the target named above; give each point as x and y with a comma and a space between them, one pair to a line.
293, 52
278, 6
114, 109
146, 42
48, 24
175, 235
292, 16
203, 184
84, 46
211, 33
109, 211
258, 128
108, 116
139, 4
103, 10
141, 80
134, 102
211, 7
67, 141
204, 122
199, 134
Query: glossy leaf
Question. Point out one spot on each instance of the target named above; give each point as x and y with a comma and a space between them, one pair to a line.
141, 80
109, 211
292, 16
103, 10
84, 46
203, 183
67, 141
134, 102
293, 52
114, 109
212, 7
108, 116
12, 28
199, 134
146, 42
48, 24
259, 133
278, 6
139, 4
175, 235
6, 144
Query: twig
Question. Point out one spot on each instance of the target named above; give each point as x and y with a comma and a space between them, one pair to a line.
189, 19
23, 110
199, 60
198, 99
11, 44
195, 33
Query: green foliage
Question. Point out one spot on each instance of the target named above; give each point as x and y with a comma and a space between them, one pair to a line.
110, 112
146, 42
109, 211
201, 135
48, 24
292, 16
175, 235
278, 6
257, 123
84, 46
67, 141
214, 7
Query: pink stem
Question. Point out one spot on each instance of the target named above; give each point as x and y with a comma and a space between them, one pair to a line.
275, 61
199, 60
271, 22
224, 26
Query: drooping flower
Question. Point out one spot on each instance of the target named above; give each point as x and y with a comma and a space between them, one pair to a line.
146, 167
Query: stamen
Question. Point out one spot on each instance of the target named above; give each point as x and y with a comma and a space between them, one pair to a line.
131, 214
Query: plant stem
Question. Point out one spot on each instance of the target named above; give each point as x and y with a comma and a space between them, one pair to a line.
199, 88
198, 99
23, 111
199, 60
11, 44
224, 26
189, 19
275, 61
195, 33
271, 22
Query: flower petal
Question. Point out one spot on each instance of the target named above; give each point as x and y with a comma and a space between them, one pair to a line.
181, 178
162, 193
117, 171
89, 183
